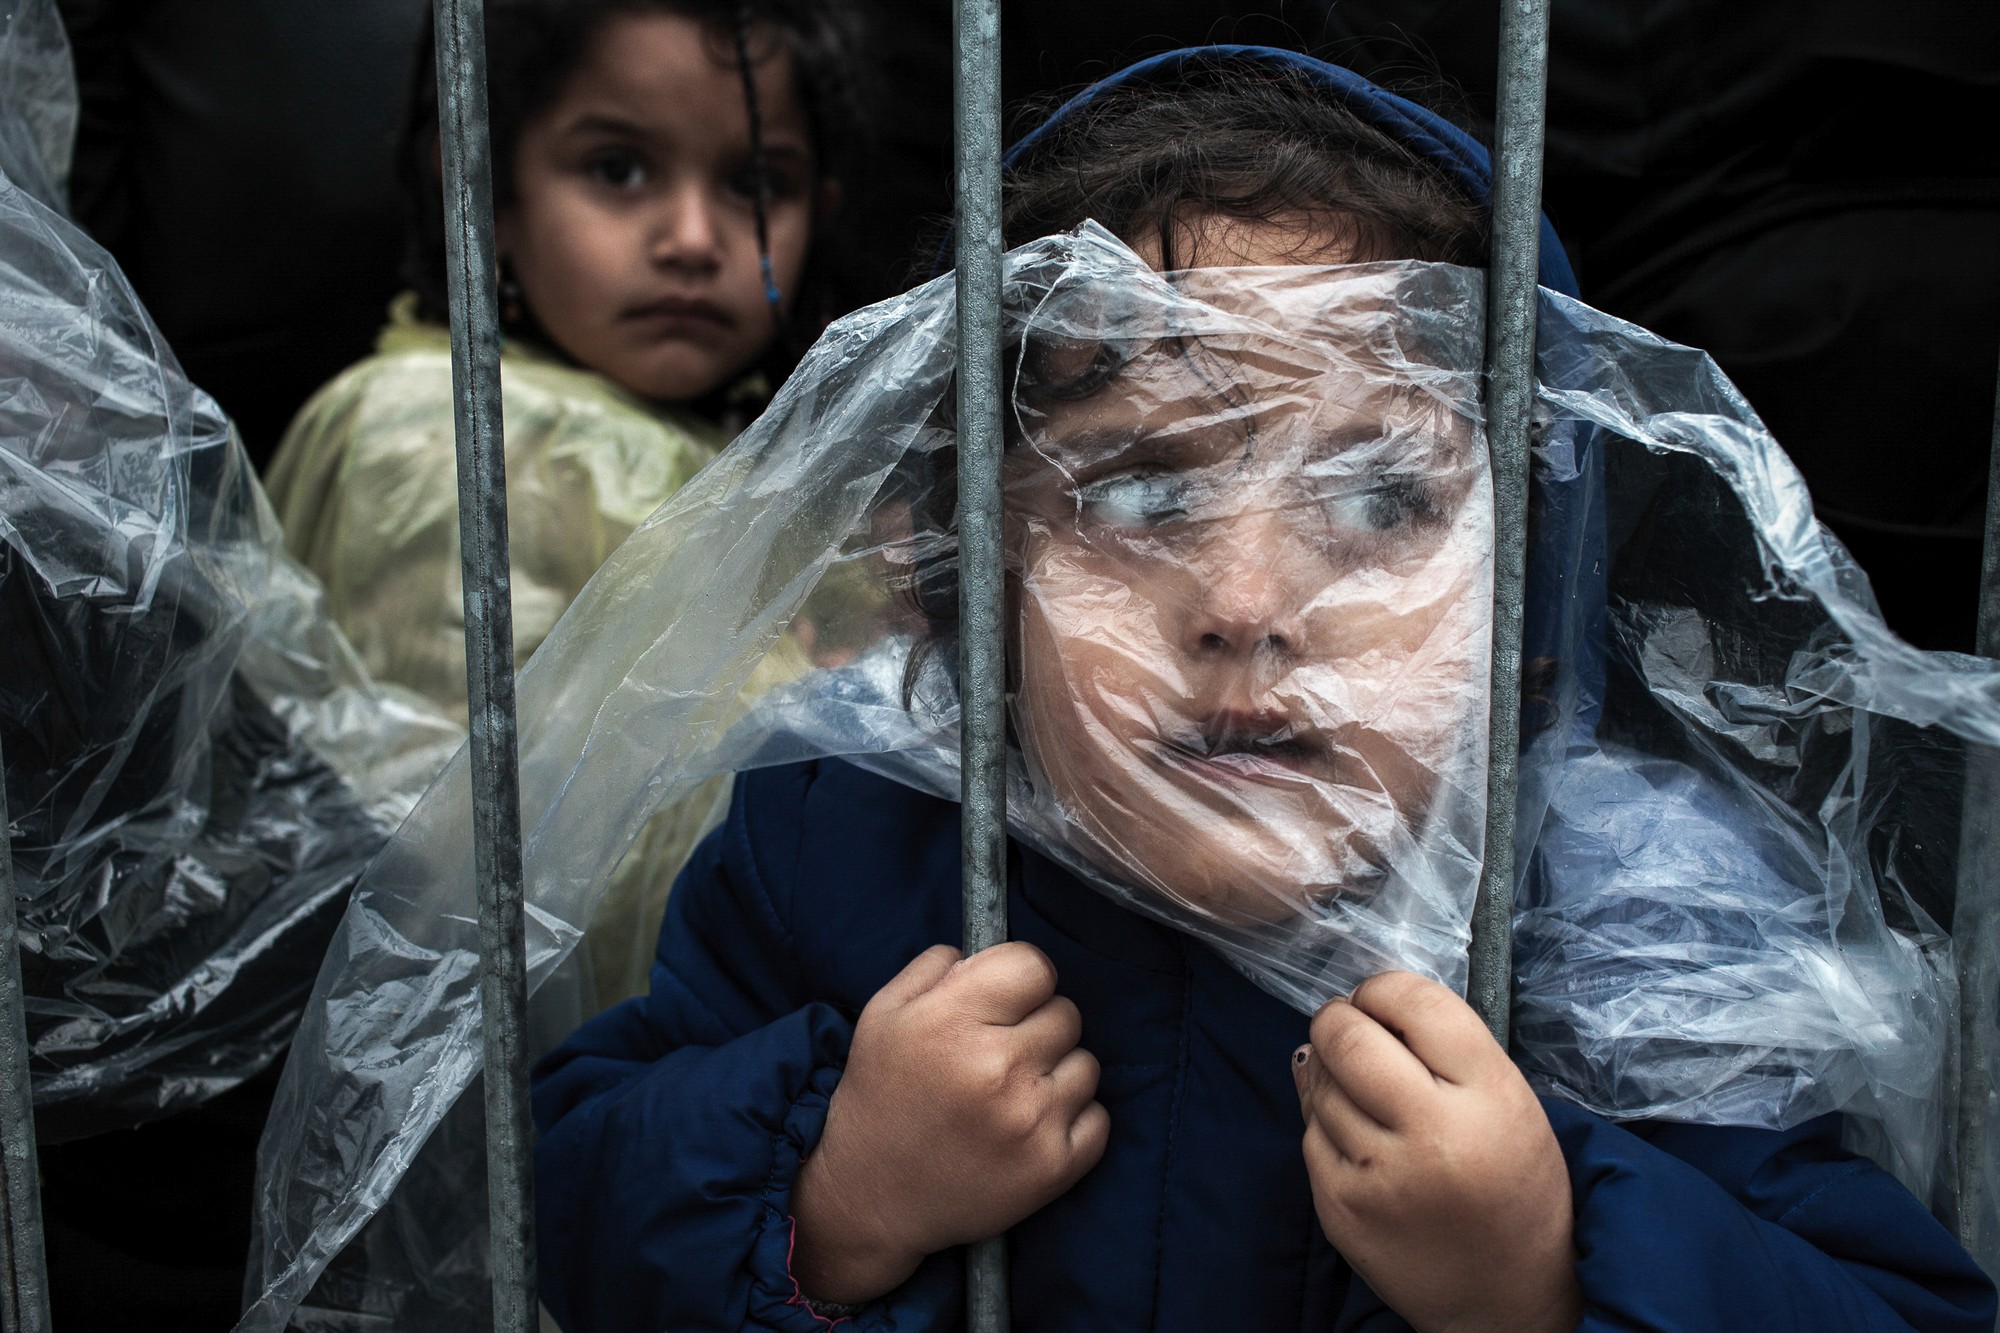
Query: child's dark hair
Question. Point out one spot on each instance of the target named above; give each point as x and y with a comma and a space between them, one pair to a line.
532, 49
1243, 140
1233, 138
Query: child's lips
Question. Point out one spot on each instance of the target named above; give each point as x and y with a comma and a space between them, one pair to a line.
1257, 748
1251, 766
671, 314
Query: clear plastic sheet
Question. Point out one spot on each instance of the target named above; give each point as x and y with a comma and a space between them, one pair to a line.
1249, 546
197, 771
38, 101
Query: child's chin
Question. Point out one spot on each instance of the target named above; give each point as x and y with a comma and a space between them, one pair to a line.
1259, 884
1284, 858
682, 373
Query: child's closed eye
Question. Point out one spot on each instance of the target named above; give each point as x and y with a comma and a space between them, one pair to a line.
1391, 504
1138, 498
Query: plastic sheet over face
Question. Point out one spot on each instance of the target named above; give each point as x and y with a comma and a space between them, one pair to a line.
196, 769
1249, 548
1251, 588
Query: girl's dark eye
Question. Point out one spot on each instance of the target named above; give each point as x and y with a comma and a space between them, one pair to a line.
1389, 505
1135, 499
618, 169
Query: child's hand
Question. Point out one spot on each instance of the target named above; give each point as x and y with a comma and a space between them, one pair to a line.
1434, 1170
965, 1106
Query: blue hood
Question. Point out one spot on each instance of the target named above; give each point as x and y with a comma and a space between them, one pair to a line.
1428, 133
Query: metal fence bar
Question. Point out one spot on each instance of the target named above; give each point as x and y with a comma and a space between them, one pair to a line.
22, 1267
1976, 922
489, 652
1510, 398
982, 592
1988, 641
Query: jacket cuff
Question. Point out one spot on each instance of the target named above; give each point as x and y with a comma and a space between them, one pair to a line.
921, 1302
776, 1300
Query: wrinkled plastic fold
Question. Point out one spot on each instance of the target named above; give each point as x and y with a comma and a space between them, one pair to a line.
197, 770
1249, 545
38, 101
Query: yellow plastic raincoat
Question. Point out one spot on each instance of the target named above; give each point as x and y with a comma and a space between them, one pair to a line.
366, 486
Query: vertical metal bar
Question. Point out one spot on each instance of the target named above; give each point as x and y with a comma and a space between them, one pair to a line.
1510, 399
1987, 643
982, 596
489, 651
22, 1265
1976, 924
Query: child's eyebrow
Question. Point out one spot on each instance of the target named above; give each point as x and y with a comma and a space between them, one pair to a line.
1089, 448
780, 144
599, 123
1392, 406
1091, 444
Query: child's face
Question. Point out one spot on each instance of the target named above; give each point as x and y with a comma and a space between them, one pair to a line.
1253, 599
633, 228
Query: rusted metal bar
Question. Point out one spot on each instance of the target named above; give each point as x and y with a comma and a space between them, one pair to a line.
489, 652
1510, 399
24, 1281
1976, 927
982, 592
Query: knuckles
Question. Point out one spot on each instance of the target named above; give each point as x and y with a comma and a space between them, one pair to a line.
1091, 1135
1093, 1071
989, 1068
1009, 1104
1018, 1118
1018, 968
1395, 992
1404, 1002
1003, 1136
1340, 1034
1072, 1019
1417, 1002
1455, 1165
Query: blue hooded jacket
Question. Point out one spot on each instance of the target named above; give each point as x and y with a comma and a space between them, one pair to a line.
672, 1128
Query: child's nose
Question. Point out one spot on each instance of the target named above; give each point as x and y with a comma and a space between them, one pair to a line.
1245, 595
688, 233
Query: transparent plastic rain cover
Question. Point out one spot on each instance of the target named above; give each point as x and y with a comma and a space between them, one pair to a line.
1249, 546
197, 770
